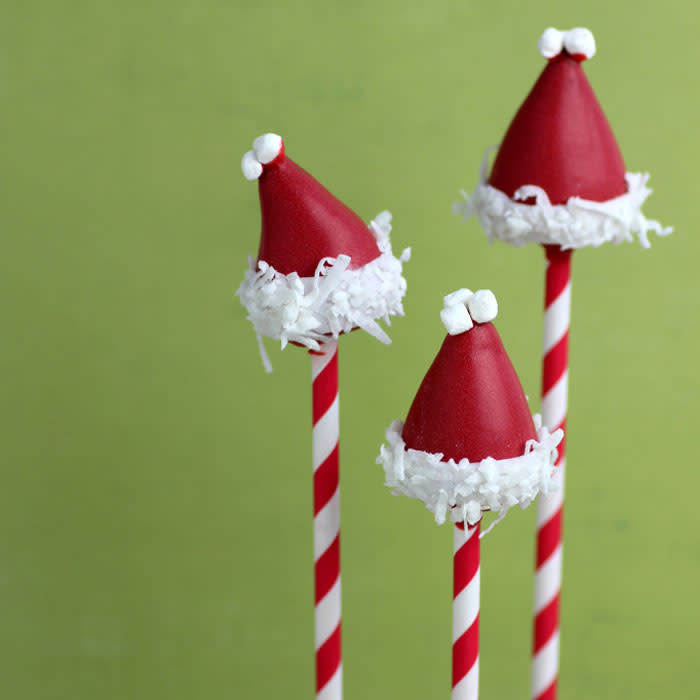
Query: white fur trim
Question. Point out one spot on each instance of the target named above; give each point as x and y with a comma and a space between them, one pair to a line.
483, 306
251, 167
551, 42
464, 489
580, 41
576, 224
335, 300
267, 147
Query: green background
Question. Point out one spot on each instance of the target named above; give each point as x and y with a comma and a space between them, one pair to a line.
155, 501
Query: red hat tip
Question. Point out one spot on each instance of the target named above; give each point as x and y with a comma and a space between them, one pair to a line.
578, 43
267, 149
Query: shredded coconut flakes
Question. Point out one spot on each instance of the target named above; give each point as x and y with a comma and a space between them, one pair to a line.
309, 310
576, 224
464, 489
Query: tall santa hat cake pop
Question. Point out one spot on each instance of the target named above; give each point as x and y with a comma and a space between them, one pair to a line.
559, 177
469, 443
320, 271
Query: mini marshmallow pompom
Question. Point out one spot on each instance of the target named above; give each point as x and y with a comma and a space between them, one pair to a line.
483, 306
577, 42
551, 42
580, 41
251, 167
267, 147
461, 296
463, 308
456, 318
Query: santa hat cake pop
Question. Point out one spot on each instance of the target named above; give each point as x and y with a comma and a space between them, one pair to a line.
469, 443
559, 177
320, 271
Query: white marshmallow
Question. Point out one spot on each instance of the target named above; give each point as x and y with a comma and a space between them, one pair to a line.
456, 319
483, 306
250, 166
267, 147
580, 41
551, 42
461, 296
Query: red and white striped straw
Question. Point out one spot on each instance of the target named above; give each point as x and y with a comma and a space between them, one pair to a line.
329, 669
548, 566
465, 613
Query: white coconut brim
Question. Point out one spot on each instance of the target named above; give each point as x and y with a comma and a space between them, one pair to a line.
309, 310
465, 489
576, 224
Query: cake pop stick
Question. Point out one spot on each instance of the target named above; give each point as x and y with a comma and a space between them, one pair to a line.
325, 434
465, 612
548, 563
559, 180
469, 444
320, 272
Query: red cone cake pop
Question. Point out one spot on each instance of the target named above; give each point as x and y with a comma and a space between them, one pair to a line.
321, 271
559, 177
469, 443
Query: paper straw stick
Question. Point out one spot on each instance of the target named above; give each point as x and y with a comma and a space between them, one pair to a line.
324, 372
548, 566
465, 613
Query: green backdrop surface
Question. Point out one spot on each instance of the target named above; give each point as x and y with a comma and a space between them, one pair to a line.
155, 501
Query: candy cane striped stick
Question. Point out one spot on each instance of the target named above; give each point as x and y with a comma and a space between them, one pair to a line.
555, 375
465, 613
324, 372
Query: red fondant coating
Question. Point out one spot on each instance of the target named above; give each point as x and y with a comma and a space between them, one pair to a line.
471, 403
303, 222
561, 141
